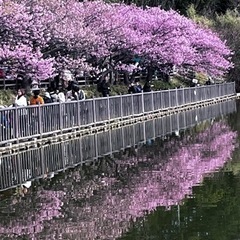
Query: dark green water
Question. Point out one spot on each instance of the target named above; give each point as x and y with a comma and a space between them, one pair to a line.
183, 185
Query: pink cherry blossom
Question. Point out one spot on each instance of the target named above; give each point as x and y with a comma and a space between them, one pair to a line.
83, 35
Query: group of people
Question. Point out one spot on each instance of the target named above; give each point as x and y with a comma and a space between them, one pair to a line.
69, 92
50, 95
137, 87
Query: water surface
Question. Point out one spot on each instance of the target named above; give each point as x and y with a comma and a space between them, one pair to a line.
170, 178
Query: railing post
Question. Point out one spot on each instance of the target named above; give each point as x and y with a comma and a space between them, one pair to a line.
143, 110
152, 100
60, 117
154, 128
184, 101
16, 117
121, 106
195, 96
94, 110
161, 97
169, 98
132, 113
110, 142
78, 113
176, 94
213, 93
96, 145
123, 139
144, 132
108, 109
205, 93
39, 120
41, 153
178, 115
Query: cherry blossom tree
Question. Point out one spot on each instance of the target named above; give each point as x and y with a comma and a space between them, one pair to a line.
21, 39
165, 38
86, 35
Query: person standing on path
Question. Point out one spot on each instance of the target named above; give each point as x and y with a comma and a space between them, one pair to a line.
147, 87
104, 87
36, 98
20, 100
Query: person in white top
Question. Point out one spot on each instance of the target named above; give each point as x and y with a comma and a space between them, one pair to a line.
75, 94
20, 100
61, 96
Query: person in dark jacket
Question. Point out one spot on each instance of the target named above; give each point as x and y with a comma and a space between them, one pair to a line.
47, 98
147, 87
104, 87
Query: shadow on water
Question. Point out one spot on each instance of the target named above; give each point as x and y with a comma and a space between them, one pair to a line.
119, 178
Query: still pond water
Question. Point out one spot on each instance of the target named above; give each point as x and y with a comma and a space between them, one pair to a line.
174, 178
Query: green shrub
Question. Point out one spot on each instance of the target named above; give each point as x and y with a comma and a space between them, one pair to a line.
6, 97
118, 90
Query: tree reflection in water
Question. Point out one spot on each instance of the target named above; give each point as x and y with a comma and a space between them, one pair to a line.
103, 206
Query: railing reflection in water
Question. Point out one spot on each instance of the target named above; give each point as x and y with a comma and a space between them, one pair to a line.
18, 168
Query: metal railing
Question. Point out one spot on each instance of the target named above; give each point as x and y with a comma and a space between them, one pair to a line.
19, 123
35, 163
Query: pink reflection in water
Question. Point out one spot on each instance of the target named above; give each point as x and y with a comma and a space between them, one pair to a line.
111, 211
48, 206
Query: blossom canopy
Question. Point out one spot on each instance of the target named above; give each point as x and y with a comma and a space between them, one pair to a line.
40, 37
